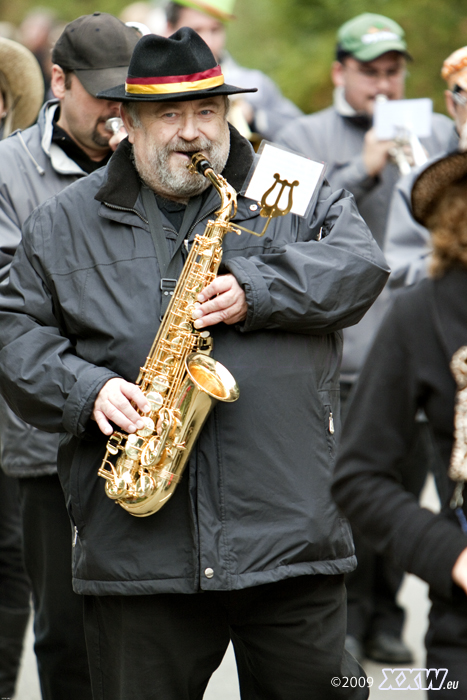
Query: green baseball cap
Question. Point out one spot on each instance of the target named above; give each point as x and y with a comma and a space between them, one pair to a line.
368, 36
219, 9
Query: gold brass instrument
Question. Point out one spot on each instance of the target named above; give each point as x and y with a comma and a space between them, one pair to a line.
180, 380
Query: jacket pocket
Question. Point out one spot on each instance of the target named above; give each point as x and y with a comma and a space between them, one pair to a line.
331, 418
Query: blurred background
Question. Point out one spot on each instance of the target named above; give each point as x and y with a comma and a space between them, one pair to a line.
292, 41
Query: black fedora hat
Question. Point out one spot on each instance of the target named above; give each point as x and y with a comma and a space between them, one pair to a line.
178, 68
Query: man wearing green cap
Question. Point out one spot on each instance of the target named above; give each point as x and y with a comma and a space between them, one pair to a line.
371, 57
259, 114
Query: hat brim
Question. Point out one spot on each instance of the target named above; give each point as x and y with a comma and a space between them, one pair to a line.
97, 80
24, 77
372, 51
120, 95
433, 180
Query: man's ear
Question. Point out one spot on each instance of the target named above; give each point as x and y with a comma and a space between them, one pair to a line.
128, 122
337, 74
57, 82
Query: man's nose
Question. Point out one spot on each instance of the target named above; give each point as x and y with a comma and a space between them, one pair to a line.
189, 128
384, 84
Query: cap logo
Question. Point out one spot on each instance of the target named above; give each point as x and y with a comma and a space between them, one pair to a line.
375, 35
175, 83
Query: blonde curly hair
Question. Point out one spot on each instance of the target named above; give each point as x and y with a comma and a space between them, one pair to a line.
447, 223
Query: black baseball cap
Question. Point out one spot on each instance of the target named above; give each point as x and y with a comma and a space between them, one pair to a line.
98, 49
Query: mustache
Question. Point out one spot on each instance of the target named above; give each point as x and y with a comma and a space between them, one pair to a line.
182, 146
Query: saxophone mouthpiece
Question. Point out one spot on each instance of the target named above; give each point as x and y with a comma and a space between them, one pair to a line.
199, 163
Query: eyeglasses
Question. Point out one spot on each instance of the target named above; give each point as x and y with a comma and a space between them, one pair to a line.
460, 100
373, 74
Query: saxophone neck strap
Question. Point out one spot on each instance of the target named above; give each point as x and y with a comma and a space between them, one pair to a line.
169, 266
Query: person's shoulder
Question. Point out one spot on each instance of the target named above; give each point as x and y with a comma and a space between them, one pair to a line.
410, 301
12, 144
308, 123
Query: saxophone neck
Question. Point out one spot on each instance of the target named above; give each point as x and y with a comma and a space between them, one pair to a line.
228, 195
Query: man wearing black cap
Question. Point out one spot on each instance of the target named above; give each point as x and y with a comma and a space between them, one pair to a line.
69, 141
250, 545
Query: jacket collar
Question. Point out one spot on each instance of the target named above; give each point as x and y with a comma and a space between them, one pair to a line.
61, 163
122, 184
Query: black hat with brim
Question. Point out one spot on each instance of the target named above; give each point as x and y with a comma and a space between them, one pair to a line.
174, 69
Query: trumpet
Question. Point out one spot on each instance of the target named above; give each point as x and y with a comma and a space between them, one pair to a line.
114, 124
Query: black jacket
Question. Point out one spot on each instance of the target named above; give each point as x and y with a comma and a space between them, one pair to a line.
407, 369
83, 305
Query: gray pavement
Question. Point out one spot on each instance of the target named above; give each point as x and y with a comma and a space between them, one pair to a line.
224, 684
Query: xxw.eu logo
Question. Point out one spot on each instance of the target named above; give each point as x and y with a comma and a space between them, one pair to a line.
416, 679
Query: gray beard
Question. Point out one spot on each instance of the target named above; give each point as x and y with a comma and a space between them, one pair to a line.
179, 182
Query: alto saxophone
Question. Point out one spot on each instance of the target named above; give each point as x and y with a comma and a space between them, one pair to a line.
180, 380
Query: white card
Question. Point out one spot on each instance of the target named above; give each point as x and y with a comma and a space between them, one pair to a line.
393, 116
291, 167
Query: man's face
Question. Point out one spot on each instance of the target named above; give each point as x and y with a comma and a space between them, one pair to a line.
363, 81
83, 116
211, 30
168, 134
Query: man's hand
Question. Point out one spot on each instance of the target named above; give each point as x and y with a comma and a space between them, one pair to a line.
459, 571
113, 403
222, 300
375, 153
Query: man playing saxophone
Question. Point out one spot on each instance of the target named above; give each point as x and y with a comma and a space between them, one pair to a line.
250, 546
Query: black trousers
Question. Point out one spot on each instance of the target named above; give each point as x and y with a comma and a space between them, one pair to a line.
15, 588
167, 646
446, 646
60, 645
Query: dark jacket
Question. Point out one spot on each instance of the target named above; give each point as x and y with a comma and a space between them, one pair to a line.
406, 370
33, 168
83, 306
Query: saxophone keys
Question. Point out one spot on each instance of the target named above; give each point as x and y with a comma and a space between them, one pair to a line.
134, 446
155, 400
148, 427
145, 486
159, 385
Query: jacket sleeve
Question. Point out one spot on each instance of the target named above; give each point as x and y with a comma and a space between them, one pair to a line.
10, 231
41, 377
314, 286
407, 243
377, 435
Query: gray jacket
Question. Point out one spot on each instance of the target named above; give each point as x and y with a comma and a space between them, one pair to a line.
407, 243
337, 140
254, 502
33, 169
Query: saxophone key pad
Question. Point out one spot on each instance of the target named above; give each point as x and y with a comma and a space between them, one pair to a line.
155, 401
148, 427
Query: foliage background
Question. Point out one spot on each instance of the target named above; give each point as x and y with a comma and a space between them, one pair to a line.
293, 40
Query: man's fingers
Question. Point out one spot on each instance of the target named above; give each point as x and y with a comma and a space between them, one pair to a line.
113, 404
218, 286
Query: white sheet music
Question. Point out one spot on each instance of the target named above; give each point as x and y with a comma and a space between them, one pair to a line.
413, 116
291, 167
